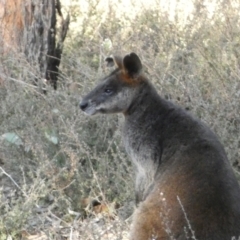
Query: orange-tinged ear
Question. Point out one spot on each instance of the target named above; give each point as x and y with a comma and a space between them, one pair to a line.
114, 60
132, 65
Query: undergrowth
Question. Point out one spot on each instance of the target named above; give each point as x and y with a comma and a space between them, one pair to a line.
52, 156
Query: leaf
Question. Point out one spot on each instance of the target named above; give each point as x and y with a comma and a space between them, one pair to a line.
55, 110
107, 44
51, 137
12, 138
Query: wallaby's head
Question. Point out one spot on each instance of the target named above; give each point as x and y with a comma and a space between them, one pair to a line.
116, 92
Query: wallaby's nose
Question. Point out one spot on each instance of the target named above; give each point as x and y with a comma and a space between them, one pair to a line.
83, 105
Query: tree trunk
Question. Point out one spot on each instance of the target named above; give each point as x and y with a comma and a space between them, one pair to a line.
29, 26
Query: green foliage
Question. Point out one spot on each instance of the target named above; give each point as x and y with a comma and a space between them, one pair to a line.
12, 138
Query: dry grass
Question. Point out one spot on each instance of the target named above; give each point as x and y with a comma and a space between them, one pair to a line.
59, 156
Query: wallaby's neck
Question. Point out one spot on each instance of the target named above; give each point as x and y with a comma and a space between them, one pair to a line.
146, 103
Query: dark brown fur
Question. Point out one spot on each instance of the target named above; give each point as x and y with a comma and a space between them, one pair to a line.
185, 186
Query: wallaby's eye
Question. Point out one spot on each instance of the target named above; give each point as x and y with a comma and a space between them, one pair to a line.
108, 91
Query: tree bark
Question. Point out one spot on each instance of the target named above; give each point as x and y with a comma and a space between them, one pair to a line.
30, 26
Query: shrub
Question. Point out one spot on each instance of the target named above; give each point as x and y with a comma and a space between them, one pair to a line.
52, 156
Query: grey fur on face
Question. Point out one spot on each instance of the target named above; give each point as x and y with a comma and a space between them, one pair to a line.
107, 97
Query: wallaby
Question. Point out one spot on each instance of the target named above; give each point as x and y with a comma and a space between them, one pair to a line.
185, 186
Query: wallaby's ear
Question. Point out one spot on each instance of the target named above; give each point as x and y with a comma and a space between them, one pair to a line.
132, 65
115, 60
110, 62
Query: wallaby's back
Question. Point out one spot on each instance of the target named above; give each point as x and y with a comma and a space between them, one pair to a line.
185, 186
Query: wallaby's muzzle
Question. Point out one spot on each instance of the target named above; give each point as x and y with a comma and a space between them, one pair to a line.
88, 107
83, 105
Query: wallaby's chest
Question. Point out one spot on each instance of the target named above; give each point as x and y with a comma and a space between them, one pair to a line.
141, 145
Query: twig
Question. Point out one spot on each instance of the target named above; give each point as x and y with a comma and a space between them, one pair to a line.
22, 82
4, 172
185, 216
